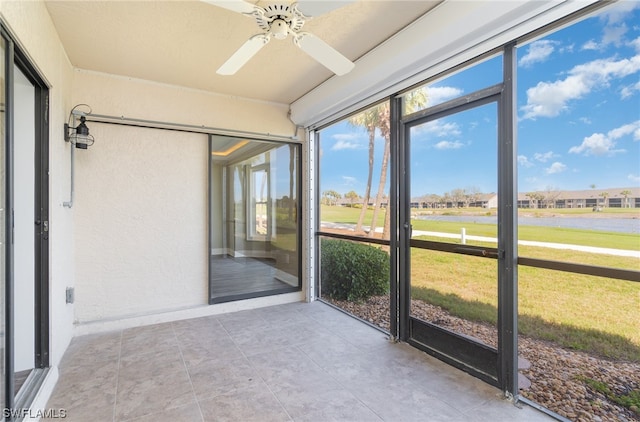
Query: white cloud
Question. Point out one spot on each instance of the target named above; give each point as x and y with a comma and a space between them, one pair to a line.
349, 180
635, 44
440, 94
544, 157
618, 12
347, 141
604, 144
590, 45
624, 130
634, 178
449, 145
538, 52
556, 167
614, 34
596, 144
524, 161
629, 90
342, 144
615, 28
585, 120
440, 128
549, 99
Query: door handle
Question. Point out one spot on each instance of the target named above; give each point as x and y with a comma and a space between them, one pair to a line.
409, 228
45, 225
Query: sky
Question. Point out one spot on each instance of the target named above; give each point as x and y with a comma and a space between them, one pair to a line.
578, 107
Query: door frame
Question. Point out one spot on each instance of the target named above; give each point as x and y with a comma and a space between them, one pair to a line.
497, 367
14, 56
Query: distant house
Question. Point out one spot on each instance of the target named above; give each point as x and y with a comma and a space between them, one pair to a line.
592, 198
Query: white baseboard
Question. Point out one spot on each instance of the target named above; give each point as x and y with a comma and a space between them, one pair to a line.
92, 327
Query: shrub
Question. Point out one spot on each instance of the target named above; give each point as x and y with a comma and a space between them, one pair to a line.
353, 271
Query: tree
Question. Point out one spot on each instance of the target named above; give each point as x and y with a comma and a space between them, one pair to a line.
458, 196
625, 193
366, 119
377, 117
386, 134
412, 101
550, 198
446, 198
473, 194
351, 196
604, 196
536, 197
330, 197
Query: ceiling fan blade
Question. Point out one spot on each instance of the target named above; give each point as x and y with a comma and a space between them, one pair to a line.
244, 53
239, 6
320, 7
323, 53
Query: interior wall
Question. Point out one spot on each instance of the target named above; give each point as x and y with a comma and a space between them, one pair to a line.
30, 24
141, 194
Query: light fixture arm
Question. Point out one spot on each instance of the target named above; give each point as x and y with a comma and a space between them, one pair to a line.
69, 203
78, 135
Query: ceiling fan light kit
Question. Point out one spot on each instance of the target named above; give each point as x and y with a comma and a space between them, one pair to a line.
278, 21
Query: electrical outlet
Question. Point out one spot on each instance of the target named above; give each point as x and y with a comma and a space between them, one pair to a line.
70, 294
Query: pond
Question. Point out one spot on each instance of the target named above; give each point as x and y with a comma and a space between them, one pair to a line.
620, 225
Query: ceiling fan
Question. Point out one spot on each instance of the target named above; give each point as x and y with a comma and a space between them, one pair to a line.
278, 21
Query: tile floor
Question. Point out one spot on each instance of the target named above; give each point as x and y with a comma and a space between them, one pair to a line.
301, 362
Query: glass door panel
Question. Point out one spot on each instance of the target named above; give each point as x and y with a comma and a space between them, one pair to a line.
255, 235
452, 187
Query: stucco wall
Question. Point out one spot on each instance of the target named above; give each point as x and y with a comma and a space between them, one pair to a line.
141, 194
124, 262
141, 217
29, 23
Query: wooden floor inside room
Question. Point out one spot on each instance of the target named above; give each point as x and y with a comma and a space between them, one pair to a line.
234, 276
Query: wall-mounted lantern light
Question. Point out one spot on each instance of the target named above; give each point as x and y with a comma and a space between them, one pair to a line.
79, 135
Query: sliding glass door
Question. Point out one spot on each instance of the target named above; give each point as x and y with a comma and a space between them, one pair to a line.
254, 218
3, 215
24, 227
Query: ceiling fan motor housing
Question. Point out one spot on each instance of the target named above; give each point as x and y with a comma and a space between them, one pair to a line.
280, 19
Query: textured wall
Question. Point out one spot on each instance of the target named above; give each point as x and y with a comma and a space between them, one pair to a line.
141, 194
141, 216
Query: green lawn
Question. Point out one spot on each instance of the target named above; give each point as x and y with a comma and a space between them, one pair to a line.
582, 312
589, 313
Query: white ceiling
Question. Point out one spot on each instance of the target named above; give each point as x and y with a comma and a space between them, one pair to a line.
184, 42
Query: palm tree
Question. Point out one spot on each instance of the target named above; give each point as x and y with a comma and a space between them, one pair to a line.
625, 193
604, 196
351, 196
366, 119
385, 131
412, 101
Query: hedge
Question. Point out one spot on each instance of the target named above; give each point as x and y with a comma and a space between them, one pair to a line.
353, 271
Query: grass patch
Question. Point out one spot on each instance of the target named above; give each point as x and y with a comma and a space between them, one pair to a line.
630, 400
581, 312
